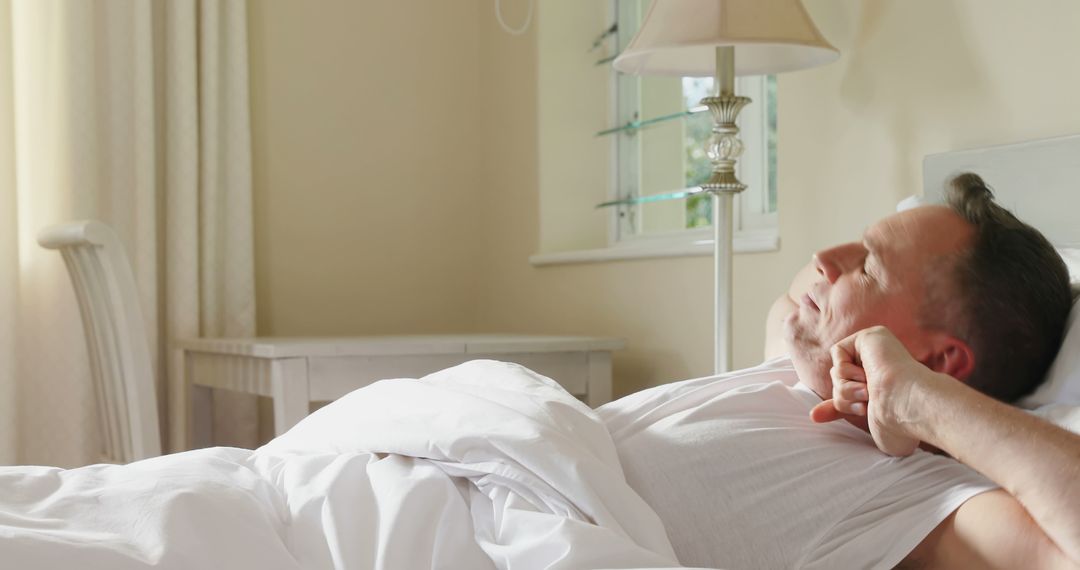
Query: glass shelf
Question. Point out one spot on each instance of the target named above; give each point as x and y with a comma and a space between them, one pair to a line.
638, 125
607, 33
633, 200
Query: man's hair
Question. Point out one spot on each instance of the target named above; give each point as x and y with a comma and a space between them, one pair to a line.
1009, 297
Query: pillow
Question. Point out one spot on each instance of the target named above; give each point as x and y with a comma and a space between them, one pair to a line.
910, 202
1062, 383
1063, 415
1071, 255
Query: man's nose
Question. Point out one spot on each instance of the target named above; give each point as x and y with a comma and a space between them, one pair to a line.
833, 262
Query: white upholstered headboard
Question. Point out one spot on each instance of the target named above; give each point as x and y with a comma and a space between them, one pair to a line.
1039, 181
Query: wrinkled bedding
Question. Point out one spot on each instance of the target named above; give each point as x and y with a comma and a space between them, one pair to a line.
484, 465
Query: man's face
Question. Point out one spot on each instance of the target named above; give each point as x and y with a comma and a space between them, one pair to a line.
879, 280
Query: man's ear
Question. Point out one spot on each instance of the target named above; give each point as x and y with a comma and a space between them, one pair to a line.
951, 356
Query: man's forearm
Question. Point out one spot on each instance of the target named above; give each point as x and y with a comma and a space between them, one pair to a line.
1037, 462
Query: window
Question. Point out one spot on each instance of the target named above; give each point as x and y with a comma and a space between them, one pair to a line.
659, 150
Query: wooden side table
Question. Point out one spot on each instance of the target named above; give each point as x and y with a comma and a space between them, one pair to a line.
297, 371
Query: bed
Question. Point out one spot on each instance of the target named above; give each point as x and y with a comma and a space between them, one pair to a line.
1036, 180
484, 465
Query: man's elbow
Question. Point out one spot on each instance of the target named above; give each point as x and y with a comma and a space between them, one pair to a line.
1054, 559
991, 530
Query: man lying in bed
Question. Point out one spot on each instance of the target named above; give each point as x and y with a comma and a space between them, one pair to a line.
744, 478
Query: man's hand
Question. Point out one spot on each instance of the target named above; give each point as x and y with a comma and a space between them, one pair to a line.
1037, 464
873, 375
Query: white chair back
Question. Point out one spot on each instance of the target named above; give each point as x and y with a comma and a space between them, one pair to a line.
115, 337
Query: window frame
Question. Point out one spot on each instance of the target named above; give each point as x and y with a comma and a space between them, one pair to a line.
755, 228
753, 234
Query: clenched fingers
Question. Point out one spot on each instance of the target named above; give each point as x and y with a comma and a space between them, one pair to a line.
850, 394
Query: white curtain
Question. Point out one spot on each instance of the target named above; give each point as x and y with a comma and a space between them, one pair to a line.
136, 113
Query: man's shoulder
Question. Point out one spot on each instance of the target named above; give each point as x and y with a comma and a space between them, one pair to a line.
681, 394
780, 367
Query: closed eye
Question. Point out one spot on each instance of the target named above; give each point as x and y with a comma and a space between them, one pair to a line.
868, 265
868, 268
873, 270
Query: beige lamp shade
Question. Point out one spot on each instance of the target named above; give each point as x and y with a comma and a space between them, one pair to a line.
680, 37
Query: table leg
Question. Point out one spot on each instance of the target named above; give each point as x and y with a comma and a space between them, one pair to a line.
178, 389
289, 389
202, 416
191, 410
599, 382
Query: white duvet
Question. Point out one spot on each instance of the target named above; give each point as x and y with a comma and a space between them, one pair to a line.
479, 466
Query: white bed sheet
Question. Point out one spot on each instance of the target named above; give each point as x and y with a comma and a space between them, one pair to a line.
482, 465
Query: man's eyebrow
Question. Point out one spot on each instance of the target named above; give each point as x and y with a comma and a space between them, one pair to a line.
873, 247
868, 242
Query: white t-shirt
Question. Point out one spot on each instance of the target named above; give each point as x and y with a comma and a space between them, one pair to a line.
742, 478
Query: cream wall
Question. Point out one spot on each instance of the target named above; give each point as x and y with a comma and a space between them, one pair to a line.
366, 170
343, 92
568, 103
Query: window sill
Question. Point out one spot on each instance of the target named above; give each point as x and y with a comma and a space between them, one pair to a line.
756, 241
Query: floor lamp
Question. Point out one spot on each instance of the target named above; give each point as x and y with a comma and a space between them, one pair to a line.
697, 38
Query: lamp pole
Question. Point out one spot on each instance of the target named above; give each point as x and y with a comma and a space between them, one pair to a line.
723, 150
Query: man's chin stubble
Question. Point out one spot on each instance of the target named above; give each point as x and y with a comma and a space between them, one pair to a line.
811, 361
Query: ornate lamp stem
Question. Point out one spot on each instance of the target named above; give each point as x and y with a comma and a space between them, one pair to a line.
723, 150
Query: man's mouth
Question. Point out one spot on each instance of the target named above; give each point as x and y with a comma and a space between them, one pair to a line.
808, 300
